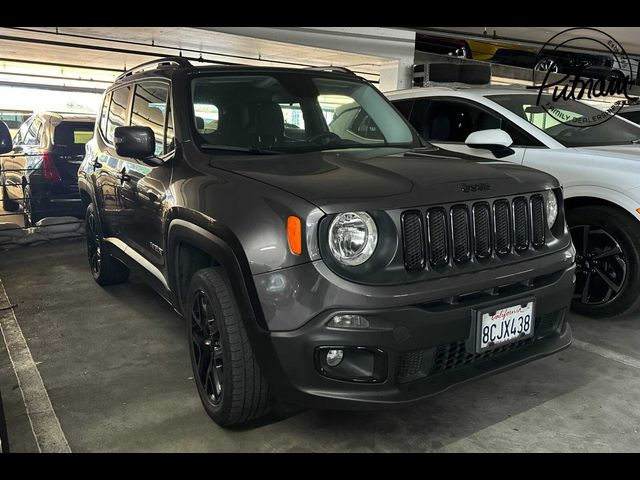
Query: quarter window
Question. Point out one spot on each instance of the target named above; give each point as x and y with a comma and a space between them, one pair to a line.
117, 111
105, 114
33, 133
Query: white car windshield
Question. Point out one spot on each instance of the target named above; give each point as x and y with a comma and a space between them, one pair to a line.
613, 131
294, 113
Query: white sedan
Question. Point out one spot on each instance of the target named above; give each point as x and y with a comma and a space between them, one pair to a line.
598, 166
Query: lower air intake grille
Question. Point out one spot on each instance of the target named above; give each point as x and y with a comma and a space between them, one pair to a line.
454, 355
410, 365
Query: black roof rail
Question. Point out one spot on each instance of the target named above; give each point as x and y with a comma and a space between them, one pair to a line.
331, 68
161, 62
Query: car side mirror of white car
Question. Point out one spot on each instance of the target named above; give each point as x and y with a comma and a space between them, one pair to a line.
495, 140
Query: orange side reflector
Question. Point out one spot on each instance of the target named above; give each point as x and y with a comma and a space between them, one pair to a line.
294, 234
638, 210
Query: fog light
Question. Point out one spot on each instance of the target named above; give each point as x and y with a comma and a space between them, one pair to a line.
334, 357
348, 321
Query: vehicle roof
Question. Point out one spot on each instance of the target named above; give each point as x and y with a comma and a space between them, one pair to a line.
464, 89
167, 71
68, 116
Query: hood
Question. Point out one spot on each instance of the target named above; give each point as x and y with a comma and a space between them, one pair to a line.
387, 178
622, 152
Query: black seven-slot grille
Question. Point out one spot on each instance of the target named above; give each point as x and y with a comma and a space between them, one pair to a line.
461, 232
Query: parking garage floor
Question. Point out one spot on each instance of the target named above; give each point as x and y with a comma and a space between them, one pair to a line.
114, 364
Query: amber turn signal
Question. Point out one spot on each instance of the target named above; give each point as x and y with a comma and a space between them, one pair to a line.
294, 234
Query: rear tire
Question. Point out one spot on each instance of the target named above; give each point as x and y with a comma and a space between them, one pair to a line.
230, 384
613, 279
8, 205
105, 269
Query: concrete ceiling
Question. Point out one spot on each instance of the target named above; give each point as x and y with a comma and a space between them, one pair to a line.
90, 58
628, 37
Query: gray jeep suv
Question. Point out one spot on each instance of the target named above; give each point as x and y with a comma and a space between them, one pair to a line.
319, 261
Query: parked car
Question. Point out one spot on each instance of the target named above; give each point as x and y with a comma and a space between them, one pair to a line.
14, 118
40, 174
452, 47
597, 166
329, 271
565, 61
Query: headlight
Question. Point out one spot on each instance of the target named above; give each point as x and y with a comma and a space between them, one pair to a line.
353, 237
552, 208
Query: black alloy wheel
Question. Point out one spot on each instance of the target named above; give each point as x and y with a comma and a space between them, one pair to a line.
105, 269
207, 348
607, 243
601, 267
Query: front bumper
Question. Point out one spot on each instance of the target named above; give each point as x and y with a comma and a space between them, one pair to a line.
426, 344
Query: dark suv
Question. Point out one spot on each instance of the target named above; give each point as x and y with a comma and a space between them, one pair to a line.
327, 268
41, 172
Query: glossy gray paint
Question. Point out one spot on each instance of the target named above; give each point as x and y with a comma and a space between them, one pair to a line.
293, 296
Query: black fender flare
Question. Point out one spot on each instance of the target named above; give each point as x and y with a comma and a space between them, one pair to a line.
227, 251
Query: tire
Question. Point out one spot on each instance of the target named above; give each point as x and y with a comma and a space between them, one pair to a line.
230, 384
608, 229
105, 269
30, 218
8, 205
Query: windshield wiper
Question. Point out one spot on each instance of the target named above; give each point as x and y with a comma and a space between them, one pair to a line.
233, 148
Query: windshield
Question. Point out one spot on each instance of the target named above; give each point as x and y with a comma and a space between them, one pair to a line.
612, 132
294, 113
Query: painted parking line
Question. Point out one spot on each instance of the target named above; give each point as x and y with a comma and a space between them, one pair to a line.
43, 419
606, 353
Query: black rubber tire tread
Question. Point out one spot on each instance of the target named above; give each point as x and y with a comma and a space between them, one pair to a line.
112, 271
626, 230
8, 205
246, 394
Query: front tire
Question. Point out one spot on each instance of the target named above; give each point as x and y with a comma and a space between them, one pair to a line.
230, 384
607, 242
105, 269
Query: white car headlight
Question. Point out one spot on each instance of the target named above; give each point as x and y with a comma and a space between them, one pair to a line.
551, 204
353, 237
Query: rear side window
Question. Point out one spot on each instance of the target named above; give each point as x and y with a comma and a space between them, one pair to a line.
73, 134
404, 106
633, 116
104, 114
117, 111
149, 109
364, 127
33, 134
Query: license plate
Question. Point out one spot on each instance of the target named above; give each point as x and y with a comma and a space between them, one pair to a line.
504, 325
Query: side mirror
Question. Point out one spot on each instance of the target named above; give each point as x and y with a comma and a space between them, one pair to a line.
136, 142
497, 141
5, 139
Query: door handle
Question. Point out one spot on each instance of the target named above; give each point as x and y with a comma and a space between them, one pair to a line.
96, 163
